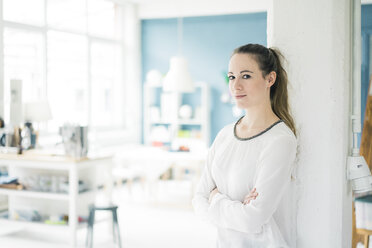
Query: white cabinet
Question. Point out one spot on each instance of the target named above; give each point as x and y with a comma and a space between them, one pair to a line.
73, 203
163, 124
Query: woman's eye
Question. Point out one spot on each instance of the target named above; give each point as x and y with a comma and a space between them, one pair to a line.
246, 76
231, 77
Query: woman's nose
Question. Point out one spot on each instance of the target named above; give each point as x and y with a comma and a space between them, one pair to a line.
237, 84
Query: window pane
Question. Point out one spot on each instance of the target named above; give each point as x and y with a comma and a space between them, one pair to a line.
67, 78
23, 60
67, 14
24, 11
104, 18
107, 87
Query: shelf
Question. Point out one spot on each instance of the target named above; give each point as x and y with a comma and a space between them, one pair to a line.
70, 203
167, 113
179, 122
152, 85
190, 122
35, 159
39, 194
19, 224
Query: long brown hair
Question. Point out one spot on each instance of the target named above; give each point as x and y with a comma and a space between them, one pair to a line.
269, 59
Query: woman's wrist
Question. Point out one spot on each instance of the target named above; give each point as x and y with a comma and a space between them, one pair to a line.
212, 194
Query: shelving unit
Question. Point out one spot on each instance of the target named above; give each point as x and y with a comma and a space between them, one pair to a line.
73, 202
41, 195
172, 121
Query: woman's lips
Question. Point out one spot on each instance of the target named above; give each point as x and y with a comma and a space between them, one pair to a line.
239, 96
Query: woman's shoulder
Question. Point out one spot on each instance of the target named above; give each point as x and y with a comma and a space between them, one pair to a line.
282, 133
223, 134
227, 130
283, 129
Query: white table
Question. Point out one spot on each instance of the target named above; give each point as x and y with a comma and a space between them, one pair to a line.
52, 164
152, 162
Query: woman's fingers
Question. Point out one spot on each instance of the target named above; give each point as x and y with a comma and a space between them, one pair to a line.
251, 196
247, 201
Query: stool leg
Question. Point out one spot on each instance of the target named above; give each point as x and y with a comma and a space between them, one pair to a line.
366, 241
89, 242
116, 224
89, 228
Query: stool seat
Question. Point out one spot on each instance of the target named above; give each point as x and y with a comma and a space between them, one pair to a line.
107, 208
115, 224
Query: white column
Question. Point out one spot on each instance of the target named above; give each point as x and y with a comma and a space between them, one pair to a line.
132, 70
314, 36
2, 100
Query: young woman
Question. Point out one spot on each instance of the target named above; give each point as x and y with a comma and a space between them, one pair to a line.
246, 187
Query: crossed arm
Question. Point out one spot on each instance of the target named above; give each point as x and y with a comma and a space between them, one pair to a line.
252, 195
273, 176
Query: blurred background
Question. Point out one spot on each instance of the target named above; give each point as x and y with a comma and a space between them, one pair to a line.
115, 103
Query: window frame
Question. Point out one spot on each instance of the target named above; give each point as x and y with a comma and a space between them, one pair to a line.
108, 134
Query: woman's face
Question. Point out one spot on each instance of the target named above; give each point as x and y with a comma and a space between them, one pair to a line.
247, 85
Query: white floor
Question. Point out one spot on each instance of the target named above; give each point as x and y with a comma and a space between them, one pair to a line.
164, 220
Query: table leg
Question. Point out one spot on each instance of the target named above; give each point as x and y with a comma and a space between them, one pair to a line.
366, 241
73, 193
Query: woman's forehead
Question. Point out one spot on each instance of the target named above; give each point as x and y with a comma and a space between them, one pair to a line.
241, 61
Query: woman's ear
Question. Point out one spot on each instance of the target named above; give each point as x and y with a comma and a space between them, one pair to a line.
271, 78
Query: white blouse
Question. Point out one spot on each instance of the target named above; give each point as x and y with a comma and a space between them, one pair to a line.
235, 166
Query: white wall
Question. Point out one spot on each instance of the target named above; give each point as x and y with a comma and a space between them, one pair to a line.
315, 38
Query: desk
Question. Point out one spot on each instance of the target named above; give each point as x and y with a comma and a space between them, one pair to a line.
32, 162
152, 162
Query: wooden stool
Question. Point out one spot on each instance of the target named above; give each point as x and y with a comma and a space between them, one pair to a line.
365, 233
115, 224
362, 206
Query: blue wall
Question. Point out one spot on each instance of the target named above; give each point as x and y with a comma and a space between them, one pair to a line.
207, 45
366, 32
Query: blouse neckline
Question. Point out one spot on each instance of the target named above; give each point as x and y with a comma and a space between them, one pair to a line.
254, 136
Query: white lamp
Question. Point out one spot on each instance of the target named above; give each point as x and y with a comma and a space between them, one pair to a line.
178, 78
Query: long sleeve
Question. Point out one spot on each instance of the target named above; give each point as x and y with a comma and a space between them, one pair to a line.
205, 186
272, 177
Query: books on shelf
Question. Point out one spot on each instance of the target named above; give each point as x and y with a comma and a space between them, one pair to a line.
16, 186
9, 182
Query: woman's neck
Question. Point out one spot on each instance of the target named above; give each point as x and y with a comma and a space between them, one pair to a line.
258, 117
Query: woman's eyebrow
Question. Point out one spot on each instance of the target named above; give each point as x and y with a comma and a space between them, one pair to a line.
240, 72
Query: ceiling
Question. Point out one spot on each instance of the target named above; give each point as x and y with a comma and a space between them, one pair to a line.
178, 8
148, 9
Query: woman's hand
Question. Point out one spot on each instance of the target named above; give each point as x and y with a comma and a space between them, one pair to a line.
213, 192
251, 196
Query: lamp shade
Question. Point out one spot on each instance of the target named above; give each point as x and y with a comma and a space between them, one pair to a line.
37, 111
178, 78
